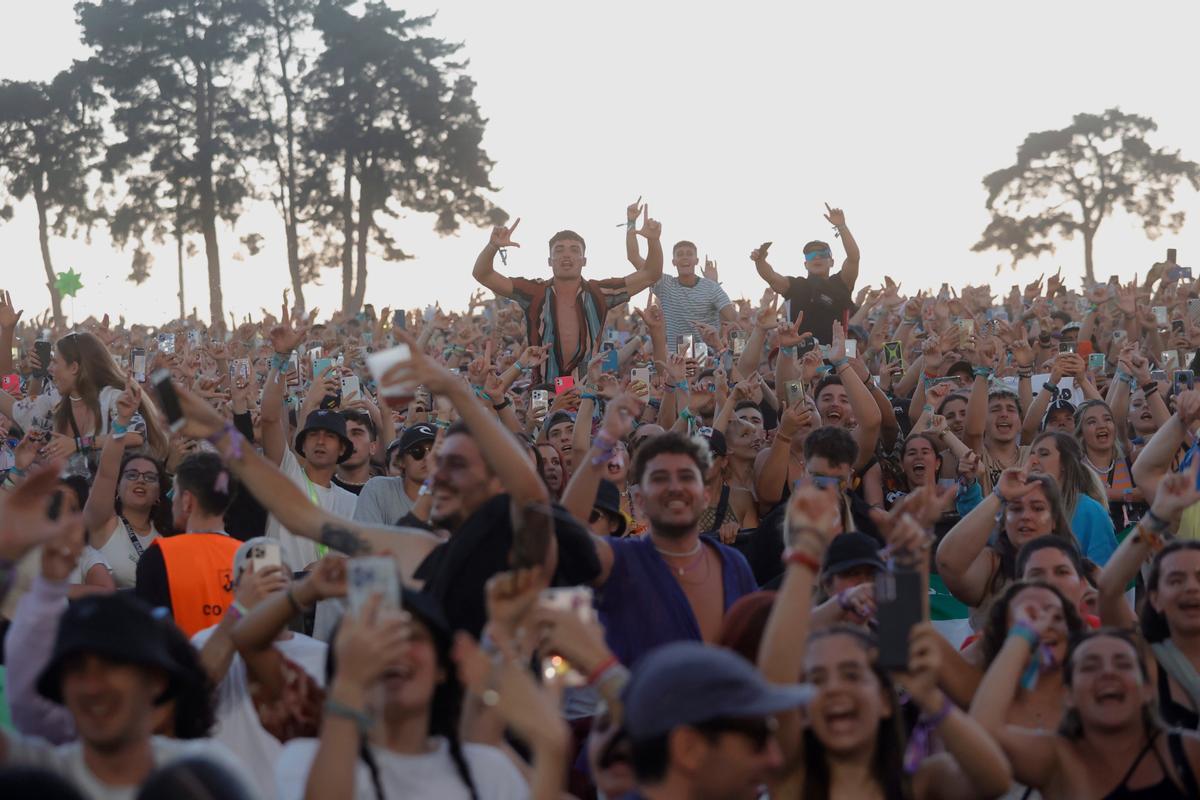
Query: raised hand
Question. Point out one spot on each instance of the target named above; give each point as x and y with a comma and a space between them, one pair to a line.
835, 216
920, 680
502, 236
653, 317
710, 270
813, 519
367, 645
510, 596
1014, 483
23, 521
633, 209
9, 315
285, 337
1034, 288
129, 401
790, 335
651, 228
1176, 492
620, 415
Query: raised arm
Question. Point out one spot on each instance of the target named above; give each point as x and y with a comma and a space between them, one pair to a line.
849, 273
631, 243
1154, 460
284, 339
652, 270
866, 411
99, 510
9, 317
776, 281
485, 270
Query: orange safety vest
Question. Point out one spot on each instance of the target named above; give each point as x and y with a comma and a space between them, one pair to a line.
199, 577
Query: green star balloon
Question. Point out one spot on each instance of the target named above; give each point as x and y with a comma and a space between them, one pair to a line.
68, 283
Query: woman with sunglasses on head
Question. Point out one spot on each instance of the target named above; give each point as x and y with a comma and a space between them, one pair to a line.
1170, 615
79, 412
852, 741
127, 506
1110, 743
977, 558
1058, 455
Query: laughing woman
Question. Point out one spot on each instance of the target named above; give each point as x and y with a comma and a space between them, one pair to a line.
1102, 452
1110, 743
1170, 618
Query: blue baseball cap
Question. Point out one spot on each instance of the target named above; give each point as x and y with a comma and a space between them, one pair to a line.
686, 683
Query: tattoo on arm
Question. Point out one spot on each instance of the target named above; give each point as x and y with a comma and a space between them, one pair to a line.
343, 540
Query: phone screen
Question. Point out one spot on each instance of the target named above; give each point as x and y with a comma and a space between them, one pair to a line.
167, 398
138, 356
898, 596
42, 350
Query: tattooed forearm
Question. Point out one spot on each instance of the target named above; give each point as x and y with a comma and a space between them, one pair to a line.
343, 540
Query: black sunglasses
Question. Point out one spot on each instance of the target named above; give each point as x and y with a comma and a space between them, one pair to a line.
419, 452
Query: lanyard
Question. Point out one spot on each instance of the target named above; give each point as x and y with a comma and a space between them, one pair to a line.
133, 539
316, 501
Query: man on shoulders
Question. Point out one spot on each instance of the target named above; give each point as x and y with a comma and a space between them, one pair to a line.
568, 311
689, 298
823, 298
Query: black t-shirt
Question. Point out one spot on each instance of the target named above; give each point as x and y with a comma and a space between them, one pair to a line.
824, 301
352, 488
456, 571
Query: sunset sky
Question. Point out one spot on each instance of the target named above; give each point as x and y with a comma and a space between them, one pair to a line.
735, 121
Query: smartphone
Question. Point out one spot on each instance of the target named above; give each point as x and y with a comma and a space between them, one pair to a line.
612, 361
1179, 273
371, 575
399, 319
699, 348
807, 344
578, 600
1096, 362
167, 398
1160, 316
1184, 380
239, 371
320, 365
851, 348
166, 342
1170, 360
1119, 335
640, 374
893, 353
1067, 347
193, 339
539, 400
898, 596
563, 383
350, 386
11, 383
531, 539
684, 346
138, 357
397, 395
45, 354
314, 355
1172, 254
292, 370
738, 340
265, 554
1158, 375
795, 392
966, 327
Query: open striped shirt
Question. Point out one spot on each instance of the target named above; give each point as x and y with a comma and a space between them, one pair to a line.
592, 303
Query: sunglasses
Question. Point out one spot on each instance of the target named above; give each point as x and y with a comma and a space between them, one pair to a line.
759, 730
814, 254
419, 452
133, 476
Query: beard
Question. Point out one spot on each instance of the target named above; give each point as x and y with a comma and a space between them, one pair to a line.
673, 528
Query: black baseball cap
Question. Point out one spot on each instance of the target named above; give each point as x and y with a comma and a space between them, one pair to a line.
324, 419
117, 626
716, 441
849, 550
414, 435
687, 683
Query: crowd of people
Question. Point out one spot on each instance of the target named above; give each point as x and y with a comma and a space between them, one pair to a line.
611, 537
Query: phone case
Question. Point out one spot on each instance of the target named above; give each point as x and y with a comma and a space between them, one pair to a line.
898, 596
370, 575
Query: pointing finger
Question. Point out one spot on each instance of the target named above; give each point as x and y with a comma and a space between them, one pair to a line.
514, 226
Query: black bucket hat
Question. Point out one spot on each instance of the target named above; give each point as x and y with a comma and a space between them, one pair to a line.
608, 500
324, 419
119, 627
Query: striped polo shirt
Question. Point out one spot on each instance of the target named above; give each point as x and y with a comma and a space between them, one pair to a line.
683, 305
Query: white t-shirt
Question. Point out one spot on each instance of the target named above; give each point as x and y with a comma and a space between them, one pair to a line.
89, 558
238, 726
66, 760
298, 552
432, 775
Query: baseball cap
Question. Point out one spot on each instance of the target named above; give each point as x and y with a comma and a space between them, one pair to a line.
849, 550
119, 627
716, 441
686, 683
414, 435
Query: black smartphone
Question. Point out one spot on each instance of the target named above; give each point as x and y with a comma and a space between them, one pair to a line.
898, 595
45, 353
161, 381
806, 344
1171, 255
399, 319
1184, 380
331, 402
1178, 328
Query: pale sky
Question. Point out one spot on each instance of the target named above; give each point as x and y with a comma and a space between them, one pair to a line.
735, 121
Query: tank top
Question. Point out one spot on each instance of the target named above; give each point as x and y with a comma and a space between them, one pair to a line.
121, 554
1165, 789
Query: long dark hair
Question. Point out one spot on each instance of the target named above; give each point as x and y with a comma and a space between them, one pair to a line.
1077, 478
887, 766
160, 513
995, 628
1007, 551
1153, 622
445, 709
96, 371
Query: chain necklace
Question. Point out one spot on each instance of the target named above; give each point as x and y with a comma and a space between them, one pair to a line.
682, 570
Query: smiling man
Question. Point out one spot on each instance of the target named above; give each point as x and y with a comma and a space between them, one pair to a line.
568, 311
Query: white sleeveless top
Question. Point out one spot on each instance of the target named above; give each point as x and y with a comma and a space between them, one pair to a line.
121, 556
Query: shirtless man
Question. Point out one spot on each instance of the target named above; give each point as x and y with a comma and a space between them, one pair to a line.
568, 311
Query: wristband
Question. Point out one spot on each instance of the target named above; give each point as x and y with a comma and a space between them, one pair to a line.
20, 473
790, 350
1122, 375
236, 611
682, 385
687, 414
1152, 386
927, 409
841, 362
1154, 522
982, 372
507, 402
1023, 631
996, 491
279, 361
1048, 386
604, 666
654, 402
482, 395
589, 396
117, 429
361, 719
920, 743
520, 367
803, 559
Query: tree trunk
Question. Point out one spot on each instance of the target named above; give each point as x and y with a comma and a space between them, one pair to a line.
366, 211
347, 229
1089, 269
39, 196
289, 199
207, 195
179, 260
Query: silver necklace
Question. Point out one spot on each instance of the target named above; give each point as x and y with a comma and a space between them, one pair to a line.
681, 570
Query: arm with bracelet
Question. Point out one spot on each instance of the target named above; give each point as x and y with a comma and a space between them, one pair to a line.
1154, 460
